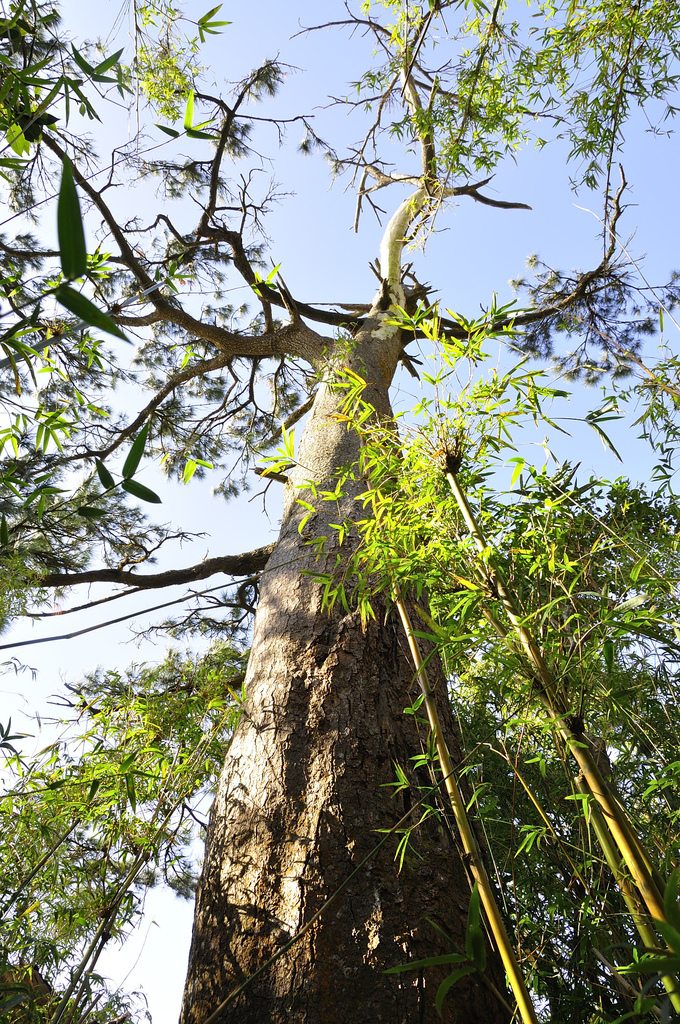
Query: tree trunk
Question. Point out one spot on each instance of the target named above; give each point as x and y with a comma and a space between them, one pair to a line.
305, 795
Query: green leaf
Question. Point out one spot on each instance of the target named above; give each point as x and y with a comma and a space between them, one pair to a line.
653, 965
448, 983
105, 477
206, 25
475, 946
608, 652
8, 1004
140, 491
87, 311
189, 470
108, 63
603, 437
81, 62
72, 251
669, 933
269, 279
191, 466
96, 783
168, 131
17, 141
637, 569
89, 512
189, 111
431, 961
670, 898
130, 787
136, 452
4, 532
192, 133
517, 471
127, 762
206, 17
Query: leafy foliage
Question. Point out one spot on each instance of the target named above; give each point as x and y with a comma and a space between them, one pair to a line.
102, 813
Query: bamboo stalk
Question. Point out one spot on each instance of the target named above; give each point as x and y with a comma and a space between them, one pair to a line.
608, 846
573, 743
479, 873
631, 899
646, 878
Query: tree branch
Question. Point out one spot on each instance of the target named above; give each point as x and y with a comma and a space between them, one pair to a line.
294, 339
189, 373
232, 565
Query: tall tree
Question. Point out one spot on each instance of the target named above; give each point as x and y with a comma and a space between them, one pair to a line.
302, 795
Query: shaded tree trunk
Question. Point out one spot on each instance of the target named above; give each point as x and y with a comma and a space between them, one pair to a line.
303, 796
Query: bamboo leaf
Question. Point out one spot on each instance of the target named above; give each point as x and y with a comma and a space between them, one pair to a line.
72, 251
189, 111
84, 66
637, 569
131, 793
107, 64
8, 1004
608, 651
89, 512
448, 983
653, 965
29, 910
431, 961
669, 933
17, 141
517, 471
670, 899
193, 133
475, 946
135, 453
191, 467
603, 437
105, 477
87, 311
140, 491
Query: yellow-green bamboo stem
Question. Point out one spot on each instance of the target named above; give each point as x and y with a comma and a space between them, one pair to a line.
608, 847
636, 859
636, 910
628, 843
512, 969
575, 744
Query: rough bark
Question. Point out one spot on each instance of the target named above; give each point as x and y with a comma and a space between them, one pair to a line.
304, 796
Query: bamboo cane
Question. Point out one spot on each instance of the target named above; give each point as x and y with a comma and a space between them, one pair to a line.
631, 899
470, 847
479, 873
638, 863
608, 846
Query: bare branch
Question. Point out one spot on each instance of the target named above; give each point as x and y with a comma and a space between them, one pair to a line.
114, 622
232, 565
296, 415
189, 373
